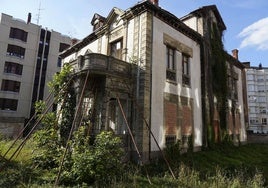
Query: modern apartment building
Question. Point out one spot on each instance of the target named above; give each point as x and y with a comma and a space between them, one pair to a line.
257, 95
28, 60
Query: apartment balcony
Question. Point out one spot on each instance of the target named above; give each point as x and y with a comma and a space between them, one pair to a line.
100, 64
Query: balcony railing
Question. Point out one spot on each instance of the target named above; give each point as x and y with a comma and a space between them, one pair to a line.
102, 64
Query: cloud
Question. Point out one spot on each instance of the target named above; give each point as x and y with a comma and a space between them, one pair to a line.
255, 35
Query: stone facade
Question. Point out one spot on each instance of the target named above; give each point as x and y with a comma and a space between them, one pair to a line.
165, 94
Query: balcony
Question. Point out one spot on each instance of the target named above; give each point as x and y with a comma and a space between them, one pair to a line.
102, 65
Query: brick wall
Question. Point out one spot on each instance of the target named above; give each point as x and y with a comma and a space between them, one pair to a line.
170, 118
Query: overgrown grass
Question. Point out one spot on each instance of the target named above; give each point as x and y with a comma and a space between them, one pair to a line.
224, 165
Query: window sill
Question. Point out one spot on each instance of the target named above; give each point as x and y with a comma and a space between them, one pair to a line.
15, 56
8, 111
186, 86
9, 92
12, 74
171, 82
19, 40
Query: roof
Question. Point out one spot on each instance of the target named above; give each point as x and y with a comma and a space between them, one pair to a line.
235, 61
137, 9
97, 17
203, 11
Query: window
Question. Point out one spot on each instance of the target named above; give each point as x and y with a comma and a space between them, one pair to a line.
253, 120
262, 110
251, 87
261, 88
10, 85
16, 51
116, 49
170, 140
170, 64
8, 104
185, 70
250, 77
264, 121
13, 68
19, 34
59, 62
261, 99
260, 78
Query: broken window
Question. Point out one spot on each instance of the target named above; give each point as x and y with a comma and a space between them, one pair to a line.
116, 49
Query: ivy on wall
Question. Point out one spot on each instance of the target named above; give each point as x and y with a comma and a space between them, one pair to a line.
219, 76
66, 96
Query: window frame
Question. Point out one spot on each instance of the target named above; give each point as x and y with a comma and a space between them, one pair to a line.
171, 63
186, 70
13, 68
114, 52
8, 104
19, 34
16, 51
10, 86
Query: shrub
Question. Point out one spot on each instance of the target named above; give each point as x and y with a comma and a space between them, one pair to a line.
100, 162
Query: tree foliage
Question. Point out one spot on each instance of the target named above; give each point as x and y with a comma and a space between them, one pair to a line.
86, 162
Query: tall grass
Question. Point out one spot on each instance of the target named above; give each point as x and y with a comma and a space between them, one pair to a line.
223, 166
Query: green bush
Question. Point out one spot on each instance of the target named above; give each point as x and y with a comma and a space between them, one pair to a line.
100, 162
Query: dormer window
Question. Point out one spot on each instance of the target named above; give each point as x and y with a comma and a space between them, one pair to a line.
97, 21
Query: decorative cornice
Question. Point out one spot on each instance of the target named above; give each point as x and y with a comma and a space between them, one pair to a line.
137, 9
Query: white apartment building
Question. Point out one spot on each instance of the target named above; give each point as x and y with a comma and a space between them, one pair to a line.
257, 87
28, 60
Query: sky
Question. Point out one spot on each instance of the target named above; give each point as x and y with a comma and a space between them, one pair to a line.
246, 20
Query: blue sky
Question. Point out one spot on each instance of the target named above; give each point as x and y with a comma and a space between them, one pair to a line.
246, 20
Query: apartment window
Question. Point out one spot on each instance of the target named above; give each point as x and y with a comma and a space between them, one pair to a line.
261, 88
260, 78
264, 121
185, 70
19, 34
170, 64
116, 49
8, 104
59, 62
262, 110
250, 77
251, 87
10, 85
261, 99
13, 68
16, 51
253, 120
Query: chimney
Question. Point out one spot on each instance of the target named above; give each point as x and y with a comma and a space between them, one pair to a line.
74, 41
29, 18
235, 53
155, 2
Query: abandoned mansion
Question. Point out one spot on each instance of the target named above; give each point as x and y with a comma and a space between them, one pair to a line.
147, 75
150, 77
